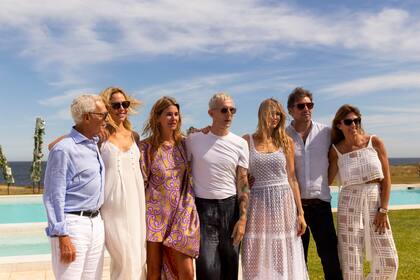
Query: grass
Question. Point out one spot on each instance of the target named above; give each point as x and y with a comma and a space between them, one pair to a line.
406, 230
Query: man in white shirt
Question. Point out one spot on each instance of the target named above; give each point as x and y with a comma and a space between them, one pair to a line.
312, 142
219, 168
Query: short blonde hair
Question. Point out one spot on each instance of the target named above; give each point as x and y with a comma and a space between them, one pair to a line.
220, 96
83, 104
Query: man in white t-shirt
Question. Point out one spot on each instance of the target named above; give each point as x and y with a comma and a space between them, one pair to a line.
219, 167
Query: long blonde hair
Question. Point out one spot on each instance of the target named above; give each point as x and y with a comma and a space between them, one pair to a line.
279, 136
106, 96
151, 128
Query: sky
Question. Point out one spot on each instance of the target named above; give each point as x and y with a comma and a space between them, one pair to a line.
365, 53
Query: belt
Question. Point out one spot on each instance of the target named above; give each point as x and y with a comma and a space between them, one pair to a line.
309, 202
88, 213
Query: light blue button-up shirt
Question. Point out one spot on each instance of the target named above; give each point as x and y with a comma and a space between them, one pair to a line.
311, 161
74, 180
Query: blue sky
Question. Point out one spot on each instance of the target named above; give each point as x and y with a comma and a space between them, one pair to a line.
366, 53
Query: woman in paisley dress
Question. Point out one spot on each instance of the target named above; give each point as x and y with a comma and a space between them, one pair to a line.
171, 217
272, 247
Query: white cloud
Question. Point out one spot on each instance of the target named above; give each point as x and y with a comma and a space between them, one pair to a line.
78, 33
400, 80
65, 98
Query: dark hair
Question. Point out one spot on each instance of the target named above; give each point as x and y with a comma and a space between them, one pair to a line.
297, 93
336, 134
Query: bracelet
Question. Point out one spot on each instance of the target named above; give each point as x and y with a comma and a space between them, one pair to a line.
382, 210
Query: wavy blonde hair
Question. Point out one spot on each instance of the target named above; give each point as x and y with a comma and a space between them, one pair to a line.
106, 96
279, 136
152, 126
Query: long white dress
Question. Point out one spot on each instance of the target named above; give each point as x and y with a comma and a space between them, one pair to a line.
123, 212
271, 247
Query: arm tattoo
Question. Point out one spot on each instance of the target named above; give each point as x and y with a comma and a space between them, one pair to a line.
243, 193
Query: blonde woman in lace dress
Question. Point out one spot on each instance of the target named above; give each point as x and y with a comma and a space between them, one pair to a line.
363, 227
272, 247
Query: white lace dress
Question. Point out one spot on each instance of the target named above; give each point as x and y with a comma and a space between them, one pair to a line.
271, 247
123, 212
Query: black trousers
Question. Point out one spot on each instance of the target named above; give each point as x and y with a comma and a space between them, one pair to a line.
218, 258
320, 223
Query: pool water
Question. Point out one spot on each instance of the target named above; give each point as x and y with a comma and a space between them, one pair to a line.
23, 220
22, 209
399, 196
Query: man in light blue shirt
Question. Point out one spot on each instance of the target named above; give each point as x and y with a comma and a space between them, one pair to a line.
74, 193
312, 142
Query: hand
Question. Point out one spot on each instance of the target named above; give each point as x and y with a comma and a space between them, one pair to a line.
204, 130
238, 231
67, 250
301, 225
381, 222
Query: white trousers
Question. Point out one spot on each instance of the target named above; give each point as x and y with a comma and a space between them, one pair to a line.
88, 237
357, 208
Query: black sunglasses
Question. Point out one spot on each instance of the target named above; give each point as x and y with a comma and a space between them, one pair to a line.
118, 105
224, 110
356, 121
302, 106
103, 115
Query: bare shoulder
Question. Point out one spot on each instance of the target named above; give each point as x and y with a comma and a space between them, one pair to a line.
377, 143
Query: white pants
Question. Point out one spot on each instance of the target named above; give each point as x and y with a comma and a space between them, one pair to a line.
88, 237
357, 208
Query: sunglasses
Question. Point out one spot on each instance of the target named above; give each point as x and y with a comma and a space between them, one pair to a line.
224, 110
102, 115
302, 106
118, 105
348, 122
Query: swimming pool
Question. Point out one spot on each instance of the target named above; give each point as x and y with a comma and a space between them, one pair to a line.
23, 220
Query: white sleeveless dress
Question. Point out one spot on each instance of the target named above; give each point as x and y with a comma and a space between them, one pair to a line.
123, 212
271, 247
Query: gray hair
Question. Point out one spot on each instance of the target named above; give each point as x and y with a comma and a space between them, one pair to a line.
220, 96
83, 104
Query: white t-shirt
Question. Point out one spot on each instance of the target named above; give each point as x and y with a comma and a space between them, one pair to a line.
214, 162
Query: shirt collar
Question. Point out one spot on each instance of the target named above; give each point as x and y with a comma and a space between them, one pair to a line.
79, 138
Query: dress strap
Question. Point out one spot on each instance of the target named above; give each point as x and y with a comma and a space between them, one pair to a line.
251, 141
335, 148
370, 142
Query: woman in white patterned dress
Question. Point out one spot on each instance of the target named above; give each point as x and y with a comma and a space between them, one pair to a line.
363, 226
272, 247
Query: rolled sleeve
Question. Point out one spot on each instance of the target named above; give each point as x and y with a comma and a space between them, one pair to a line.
55, 191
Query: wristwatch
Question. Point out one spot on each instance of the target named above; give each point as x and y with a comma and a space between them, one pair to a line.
382, 210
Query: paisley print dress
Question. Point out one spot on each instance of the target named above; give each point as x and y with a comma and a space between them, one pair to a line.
171, 215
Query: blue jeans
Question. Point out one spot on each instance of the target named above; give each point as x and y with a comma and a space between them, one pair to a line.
218, 258
320, 222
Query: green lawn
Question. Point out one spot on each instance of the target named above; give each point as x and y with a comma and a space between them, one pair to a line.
406, 229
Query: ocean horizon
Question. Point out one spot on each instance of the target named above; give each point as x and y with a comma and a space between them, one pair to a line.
21, 169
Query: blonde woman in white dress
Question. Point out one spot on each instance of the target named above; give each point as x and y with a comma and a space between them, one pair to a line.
272, 246
123, 210
363, 226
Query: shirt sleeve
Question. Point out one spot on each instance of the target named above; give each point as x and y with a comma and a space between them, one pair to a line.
244, 155
55, 185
